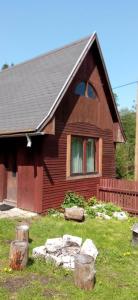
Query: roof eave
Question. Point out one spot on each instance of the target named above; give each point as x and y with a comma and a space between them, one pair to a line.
21, 133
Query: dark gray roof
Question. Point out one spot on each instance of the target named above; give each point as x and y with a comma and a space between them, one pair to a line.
28, 90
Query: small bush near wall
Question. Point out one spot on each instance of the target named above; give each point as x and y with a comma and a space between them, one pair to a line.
73, 199
93, 207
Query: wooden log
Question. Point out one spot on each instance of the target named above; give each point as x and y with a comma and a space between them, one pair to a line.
74, 213
84, 273
18, 256
135, 234
22, 232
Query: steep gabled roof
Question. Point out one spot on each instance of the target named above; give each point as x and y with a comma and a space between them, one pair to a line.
30, 92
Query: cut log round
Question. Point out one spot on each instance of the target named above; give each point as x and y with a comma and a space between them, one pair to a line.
18, 257
74, 213
84, 273
22, 232
135, 234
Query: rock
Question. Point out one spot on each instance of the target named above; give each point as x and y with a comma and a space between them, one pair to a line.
70, 240
71, 251
74, 213
103, 215
53, 245
66, 258
98, 206
121, 215
39, 251
69, 265
106, 217
63, 251
89, 248
56, 259
68, 261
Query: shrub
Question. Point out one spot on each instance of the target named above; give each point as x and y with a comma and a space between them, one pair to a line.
52, 211
73, 199
92, 201
90, 212
110, 208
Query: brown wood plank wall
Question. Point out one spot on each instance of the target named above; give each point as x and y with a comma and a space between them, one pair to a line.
55, 184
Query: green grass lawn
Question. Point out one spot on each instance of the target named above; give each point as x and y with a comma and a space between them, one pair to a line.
116, 265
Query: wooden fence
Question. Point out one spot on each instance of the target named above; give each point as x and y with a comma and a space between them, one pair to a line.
121, 192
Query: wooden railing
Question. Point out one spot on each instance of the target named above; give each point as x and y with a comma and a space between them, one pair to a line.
121, 192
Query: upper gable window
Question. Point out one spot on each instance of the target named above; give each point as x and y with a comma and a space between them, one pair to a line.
90, 91
80, 88
85, 89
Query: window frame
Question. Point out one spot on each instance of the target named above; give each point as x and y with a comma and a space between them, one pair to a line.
84, 156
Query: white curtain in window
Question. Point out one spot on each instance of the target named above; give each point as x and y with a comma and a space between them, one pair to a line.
77, 155
90, 159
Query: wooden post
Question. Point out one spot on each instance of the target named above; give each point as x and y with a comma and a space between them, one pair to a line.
136, 139
18, 257
84, 273
22, 232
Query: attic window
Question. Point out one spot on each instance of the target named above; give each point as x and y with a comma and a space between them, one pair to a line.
90, 91
85, 89
80, 88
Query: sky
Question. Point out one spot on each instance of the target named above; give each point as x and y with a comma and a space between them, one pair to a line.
29, 28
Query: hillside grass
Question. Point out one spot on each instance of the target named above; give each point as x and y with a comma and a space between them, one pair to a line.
116, 265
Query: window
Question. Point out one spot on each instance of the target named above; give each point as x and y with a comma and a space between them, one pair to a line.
77, 155
80, 88
90, 155
85, 89
90, 91
83, 155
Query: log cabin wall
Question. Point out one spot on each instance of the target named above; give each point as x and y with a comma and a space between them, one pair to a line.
82, 116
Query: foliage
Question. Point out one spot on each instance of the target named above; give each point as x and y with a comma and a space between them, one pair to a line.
73, 199
6, 66
110, 207
125, 152
90, 211
91, 206
106, 208
53, 211
116, 263
92, 201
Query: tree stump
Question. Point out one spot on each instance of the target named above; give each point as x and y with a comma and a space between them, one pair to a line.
135, 234
18, 257
74, 213
84, 273
22, 232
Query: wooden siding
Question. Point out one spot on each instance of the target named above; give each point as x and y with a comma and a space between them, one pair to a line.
55, 183
77, 109
78, 116
29, 173
121, 192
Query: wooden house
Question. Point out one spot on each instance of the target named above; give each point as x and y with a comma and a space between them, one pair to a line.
59, 125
